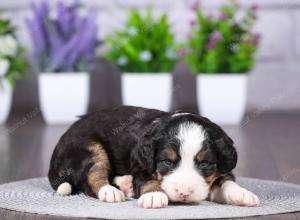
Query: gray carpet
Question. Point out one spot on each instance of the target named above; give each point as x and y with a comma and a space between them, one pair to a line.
36, 196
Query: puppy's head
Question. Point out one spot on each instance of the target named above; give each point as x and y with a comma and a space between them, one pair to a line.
187, 153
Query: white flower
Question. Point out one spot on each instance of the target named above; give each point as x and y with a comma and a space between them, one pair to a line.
132, 31
8, 45
123, 60
170, 53
145, 56
4, 66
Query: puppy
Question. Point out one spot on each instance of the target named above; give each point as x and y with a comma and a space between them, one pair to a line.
166, 157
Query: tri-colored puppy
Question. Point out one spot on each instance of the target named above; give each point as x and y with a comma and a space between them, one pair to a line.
168, 157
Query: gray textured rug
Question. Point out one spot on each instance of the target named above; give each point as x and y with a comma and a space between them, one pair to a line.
36, 196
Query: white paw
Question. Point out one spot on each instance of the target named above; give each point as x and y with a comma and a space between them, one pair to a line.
153, 200
125, 184
109, 193
235, 195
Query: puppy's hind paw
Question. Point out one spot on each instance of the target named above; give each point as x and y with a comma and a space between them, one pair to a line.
110, 193
237, 195
125, 184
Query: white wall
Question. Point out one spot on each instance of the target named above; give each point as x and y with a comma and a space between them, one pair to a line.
278, 22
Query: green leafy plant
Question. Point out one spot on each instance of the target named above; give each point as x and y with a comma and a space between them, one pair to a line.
223, 44
12, 62
146, 45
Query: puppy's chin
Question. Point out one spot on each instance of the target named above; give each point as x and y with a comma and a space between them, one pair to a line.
185, 189
193, 199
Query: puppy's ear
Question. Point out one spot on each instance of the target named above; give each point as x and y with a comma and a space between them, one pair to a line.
142, 157
143, 154
226, 154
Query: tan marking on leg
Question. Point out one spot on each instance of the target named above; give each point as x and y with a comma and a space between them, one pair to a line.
215, 189
210, 179
219, 181
151, 186
98, 173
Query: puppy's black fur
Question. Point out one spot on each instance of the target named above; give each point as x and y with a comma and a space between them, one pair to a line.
134, 140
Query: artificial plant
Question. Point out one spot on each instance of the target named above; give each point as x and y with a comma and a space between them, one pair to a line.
222, 44
12, 62
63, 40
145, 45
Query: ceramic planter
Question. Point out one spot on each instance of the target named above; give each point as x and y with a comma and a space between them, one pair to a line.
63, 96
6, 93
222, 97
150, 90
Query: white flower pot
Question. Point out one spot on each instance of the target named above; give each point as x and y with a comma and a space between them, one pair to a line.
222, 97
6, 93
63, 96
149, 90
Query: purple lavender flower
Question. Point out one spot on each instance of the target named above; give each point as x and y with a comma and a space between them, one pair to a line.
211, 45
37, 37
63, 43
255, 7
222, 16
195, 5
189, 35
216, 36
214, 39
256, 39
181, 52
193, 23
253, 11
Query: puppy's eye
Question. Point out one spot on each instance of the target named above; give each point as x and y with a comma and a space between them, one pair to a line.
168, 162
203, 164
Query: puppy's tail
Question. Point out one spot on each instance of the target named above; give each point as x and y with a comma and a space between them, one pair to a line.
61, 182
64, 189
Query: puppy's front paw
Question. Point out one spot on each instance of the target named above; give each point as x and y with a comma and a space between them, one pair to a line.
153, 200
236, 195
109, 193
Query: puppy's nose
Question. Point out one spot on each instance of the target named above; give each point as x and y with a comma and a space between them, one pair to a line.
184, 193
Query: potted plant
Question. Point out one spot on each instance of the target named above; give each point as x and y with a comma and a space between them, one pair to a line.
221, 51
64, 48
144, 51
12, 66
